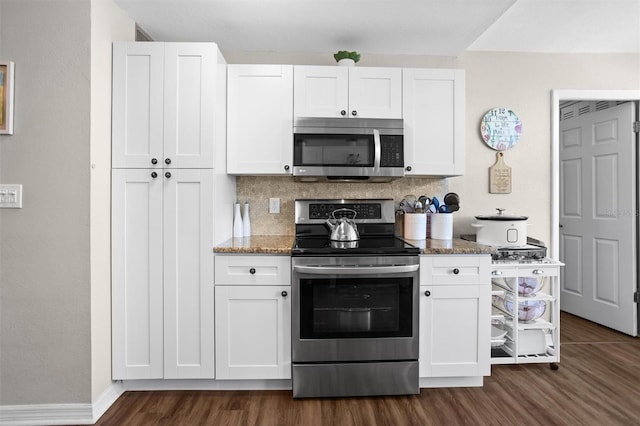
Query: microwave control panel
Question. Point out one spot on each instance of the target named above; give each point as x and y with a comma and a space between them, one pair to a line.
391, 151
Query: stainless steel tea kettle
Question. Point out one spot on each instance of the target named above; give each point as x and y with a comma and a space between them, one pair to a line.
343, 228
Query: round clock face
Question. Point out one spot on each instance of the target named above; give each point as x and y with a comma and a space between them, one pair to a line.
501, 128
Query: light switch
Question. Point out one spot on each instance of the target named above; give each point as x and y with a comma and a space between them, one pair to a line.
274, 205
11, 196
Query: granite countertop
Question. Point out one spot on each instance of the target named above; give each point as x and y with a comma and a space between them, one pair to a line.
281, 244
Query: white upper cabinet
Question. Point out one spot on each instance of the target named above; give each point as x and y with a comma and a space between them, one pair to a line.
164, 99
434, 113
259, 119
333, 91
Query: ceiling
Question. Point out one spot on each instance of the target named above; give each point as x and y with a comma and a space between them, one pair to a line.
415, 27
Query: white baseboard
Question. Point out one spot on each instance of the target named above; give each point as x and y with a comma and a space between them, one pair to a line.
205, 384
60, 414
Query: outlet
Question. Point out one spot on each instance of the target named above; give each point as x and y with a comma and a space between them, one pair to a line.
274, 205
10, 196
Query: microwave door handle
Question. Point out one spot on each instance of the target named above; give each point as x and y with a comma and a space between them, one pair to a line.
355, 270
376, 149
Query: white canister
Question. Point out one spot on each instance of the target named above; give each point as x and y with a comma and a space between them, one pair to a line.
415, 226
442, 226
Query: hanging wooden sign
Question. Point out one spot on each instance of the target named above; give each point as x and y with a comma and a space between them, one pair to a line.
500, 176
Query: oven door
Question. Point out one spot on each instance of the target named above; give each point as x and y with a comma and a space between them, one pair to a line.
355, 308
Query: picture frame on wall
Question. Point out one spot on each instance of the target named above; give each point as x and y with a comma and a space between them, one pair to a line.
6, 97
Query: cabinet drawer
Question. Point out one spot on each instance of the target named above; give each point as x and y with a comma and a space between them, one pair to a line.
461, 269
252, 270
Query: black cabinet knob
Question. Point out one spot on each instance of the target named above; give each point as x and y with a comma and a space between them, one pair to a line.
456, 271
167, 175
354, 112
154, 175
408, 168
286, 167
343, 113
284, 293
252, 271
167, 161
154, 161
427, 293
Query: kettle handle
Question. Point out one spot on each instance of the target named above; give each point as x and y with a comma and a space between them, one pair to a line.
333, 213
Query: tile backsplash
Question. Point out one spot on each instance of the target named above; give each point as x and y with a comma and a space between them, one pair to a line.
258, 189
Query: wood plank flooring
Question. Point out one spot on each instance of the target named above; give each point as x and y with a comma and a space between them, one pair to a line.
598, 383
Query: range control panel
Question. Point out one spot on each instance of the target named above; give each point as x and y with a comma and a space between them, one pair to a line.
366, 210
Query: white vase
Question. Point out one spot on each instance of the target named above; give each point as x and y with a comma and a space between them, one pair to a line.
237, 221
346, 62
246, 223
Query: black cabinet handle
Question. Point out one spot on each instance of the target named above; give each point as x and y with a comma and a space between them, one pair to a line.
252, 271
154, 161
427, 293
167, 161
167, 175
456, 271
343, 113
284, 293
286, 167
408, 168
154, 175
354, 112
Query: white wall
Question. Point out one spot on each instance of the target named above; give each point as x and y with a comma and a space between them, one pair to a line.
45, 346
108, 23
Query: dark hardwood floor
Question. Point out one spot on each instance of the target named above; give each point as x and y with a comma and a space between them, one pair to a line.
598, 383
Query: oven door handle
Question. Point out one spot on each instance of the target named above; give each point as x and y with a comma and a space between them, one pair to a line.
355, 270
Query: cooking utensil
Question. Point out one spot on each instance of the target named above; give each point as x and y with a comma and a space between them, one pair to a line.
451, 198
501, 230
343, 228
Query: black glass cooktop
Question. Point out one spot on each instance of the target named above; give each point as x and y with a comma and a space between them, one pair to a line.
375, 245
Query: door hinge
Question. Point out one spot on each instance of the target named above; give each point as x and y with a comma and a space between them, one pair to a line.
636, 126
636, 297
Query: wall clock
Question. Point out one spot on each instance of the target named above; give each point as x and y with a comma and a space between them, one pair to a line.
501, 128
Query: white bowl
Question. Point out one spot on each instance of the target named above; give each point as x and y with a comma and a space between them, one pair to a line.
529, 286
528, 310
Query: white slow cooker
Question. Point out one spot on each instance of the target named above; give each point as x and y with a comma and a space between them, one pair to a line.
501, 230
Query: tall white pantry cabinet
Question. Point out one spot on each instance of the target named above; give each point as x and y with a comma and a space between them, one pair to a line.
167, 146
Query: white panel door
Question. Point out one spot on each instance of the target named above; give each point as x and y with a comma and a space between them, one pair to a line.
253, 332
452, 340
188, 274
137, 274
260, 119
598, 217
434, 129
189, 104
321, 91
375, 92
137, 111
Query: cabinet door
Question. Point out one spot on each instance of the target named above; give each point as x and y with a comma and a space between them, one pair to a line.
253, 332
188, 274
189, 104
137, 123
260, 119
375, 92
137, 274
454, 331
433, 110
321, 91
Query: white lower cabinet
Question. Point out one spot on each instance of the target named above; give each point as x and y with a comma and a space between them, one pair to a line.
455, 307
253, 317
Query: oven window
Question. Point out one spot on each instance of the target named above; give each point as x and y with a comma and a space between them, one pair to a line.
334, 150
355, 307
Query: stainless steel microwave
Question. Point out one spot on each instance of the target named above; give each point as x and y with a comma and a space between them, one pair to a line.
348, 149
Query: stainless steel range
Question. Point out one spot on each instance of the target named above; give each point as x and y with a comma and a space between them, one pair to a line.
355, 303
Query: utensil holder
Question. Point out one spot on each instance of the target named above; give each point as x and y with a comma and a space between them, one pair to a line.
415, 226
441, 226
